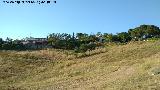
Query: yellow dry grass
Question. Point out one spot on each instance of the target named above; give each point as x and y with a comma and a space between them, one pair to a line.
119, 67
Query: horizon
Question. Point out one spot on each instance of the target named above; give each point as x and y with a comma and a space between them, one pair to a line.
68, 33
24, 20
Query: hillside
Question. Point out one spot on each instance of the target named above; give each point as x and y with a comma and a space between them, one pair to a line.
135, 66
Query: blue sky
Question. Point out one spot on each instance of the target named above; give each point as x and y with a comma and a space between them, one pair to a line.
86, 16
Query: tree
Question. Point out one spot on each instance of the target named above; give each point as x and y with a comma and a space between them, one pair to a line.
53, 39
144, 32
9, 40
93, 38
1, 42
62, 41
124, 37
108, 37
99, 34
82, 37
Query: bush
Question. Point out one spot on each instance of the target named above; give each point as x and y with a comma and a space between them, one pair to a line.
85, 47
153, 39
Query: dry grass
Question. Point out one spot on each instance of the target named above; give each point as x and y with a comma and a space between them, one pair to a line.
119, 67
49, 54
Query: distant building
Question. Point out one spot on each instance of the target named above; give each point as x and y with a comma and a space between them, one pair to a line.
35, 43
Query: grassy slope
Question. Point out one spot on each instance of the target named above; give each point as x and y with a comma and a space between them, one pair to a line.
121, 67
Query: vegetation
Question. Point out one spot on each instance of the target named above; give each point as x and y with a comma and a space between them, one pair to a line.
144, 31
81, 42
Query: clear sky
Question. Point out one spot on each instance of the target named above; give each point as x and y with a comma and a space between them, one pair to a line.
86, 16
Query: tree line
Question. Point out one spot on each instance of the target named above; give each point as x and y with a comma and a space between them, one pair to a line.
81, 42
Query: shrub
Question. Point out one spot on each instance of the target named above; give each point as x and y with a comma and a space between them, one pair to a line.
83, 48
